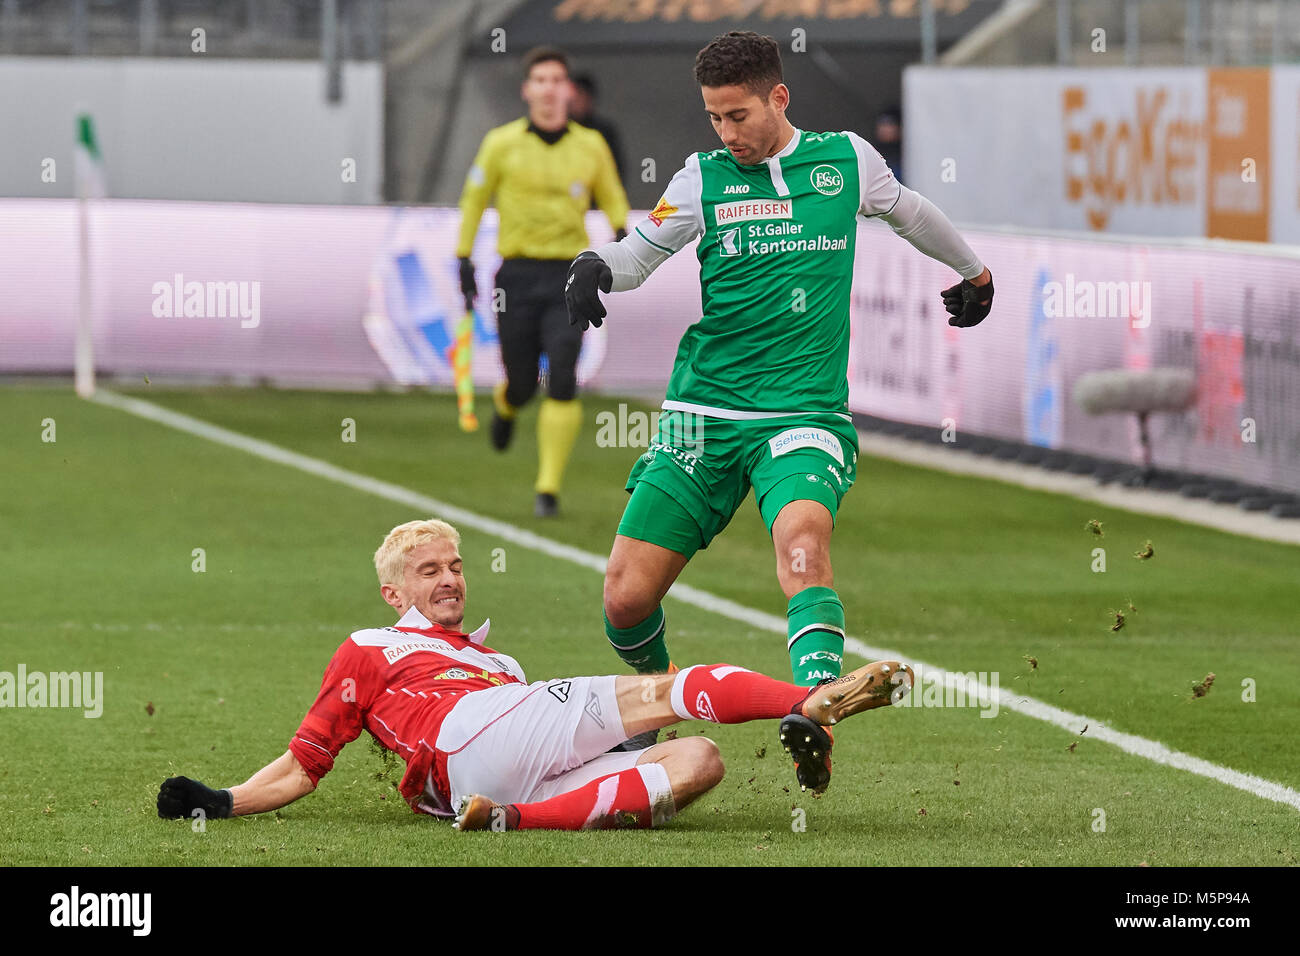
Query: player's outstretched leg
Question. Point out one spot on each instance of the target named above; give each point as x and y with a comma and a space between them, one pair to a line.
676, 772
635, 799
637, 577
727, 694
803, 733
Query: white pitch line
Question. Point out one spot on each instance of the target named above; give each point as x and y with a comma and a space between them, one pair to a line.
1030, 707
1164, 504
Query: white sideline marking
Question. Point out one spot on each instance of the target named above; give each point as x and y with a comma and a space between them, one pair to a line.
1165, 504
1129, 743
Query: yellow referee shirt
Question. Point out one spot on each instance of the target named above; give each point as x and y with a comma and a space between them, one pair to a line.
541, 190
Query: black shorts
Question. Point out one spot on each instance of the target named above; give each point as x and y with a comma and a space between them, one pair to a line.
533, 319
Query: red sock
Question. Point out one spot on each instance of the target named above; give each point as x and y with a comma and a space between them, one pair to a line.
731, 695
618, 801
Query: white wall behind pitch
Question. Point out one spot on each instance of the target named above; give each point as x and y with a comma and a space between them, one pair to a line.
1004, 135
1284, 194
239, 130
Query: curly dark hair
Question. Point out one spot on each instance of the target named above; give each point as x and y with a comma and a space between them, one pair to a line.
740, 58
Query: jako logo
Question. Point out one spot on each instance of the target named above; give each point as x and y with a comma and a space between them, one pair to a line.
208, 300
827, 180
102, 909
1098, 300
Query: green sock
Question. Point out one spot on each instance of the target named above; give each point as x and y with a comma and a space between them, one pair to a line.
642, 646
816, 629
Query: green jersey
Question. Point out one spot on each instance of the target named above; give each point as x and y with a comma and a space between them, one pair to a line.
776, 269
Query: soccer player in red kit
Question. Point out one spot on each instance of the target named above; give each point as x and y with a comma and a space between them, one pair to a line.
486, 747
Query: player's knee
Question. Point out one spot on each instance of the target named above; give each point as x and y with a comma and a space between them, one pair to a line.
711, 767
520, 390
803, 552
627, 611
562, 387
808, 535
703, 761
694, 767
625, 606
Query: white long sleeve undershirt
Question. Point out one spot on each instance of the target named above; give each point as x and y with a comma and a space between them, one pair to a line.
924, 225
908, 213
631, 259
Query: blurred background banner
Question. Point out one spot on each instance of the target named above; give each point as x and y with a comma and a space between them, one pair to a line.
1068, 306
282, 179
325, 297
311, 296
655, 23
1179, 151
415, 300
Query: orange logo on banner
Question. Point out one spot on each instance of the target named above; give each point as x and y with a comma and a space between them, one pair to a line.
1237, 172
1113, 158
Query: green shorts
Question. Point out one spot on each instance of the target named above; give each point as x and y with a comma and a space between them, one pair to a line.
697, 471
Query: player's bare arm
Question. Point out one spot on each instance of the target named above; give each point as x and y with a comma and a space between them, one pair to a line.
276, 785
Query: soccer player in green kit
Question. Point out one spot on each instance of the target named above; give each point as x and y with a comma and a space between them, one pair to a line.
758, 395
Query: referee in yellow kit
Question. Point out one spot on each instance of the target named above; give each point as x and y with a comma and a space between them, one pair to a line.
543, 171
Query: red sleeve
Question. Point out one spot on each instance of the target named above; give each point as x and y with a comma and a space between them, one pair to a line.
335, 718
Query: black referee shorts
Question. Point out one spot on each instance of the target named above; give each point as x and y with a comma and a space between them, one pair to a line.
533, 320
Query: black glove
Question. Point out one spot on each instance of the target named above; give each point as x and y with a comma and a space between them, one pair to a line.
967, 303
587, 273
620, 235
181, 796
468, 287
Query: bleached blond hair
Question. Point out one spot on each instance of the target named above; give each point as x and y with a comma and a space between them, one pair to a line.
390, 559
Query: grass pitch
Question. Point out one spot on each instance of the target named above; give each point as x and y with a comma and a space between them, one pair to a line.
209, 673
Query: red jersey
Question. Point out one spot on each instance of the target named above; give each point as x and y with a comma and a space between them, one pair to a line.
399, 683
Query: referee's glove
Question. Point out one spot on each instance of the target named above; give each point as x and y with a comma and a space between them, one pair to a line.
587, 273
181, 796
468, 287
968, 303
